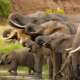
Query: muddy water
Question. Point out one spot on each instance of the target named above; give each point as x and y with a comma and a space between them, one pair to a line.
21, 76
17, 78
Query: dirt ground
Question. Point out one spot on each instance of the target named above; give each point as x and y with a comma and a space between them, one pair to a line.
30, 6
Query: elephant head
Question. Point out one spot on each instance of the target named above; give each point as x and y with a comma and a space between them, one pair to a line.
7, 58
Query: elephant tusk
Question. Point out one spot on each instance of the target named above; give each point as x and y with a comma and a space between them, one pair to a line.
68, 49
75, 50
16, 25
71, 53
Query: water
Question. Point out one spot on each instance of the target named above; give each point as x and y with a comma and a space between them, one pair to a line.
22, 74
4, 75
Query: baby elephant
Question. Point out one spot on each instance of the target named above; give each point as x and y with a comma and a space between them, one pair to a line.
18, 57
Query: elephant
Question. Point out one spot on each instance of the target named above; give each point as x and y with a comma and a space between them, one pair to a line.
57, 42
15, 35
74, 57
41, 53
19, 57
46, 28
50, 27
19, 20
6, 32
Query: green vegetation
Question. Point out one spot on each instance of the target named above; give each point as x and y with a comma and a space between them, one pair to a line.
4, 8
7, 47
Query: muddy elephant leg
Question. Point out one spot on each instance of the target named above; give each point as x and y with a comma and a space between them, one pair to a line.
13, 68
57, 62
50, 66
76, 66
38, 65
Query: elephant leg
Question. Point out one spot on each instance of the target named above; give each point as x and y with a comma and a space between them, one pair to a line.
13, 68
57, 62
38, 65
50, 68
76, 65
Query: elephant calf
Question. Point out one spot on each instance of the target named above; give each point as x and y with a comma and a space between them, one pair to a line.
18, 57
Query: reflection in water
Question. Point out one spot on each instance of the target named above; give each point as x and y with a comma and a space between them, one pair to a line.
17, 78
22, 74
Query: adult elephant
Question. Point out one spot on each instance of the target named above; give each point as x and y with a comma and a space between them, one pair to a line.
74, 57
57, 42
19, 20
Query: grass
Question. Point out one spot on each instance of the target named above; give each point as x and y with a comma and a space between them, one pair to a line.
7, 47
4, 45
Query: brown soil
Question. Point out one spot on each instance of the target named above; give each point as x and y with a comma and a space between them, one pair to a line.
29, 6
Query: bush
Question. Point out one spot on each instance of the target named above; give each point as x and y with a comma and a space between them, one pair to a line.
4, 8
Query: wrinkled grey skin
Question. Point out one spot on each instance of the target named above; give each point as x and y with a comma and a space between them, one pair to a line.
46, 28
18, 57
40, 53
74, 57
50, 27
57, 42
